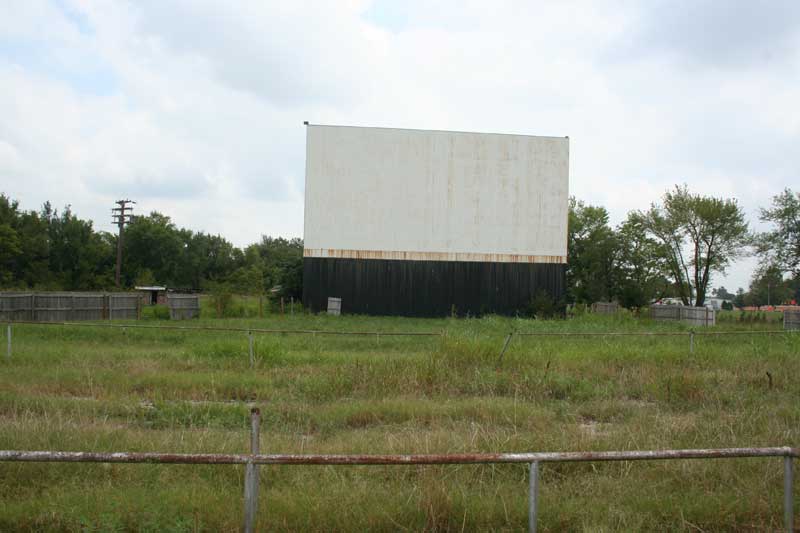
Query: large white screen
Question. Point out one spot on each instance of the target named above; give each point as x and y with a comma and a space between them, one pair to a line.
416, 194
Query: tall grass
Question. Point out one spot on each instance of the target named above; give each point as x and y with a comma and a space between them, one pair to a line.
104, 389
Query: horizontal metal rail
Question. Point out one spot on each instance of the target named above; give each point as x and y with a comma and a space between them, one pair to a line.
371, 459
240, 330
646, 333
532, 459
401, 333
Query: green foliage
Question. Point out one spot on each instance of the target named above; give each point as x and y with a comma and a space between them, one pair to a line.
606, 264
544, 306
722, 292
52, 250
698, 236
768, 287
593, 250
781, 246
221, 298
155, 312
281, 263
58, 251
641, 274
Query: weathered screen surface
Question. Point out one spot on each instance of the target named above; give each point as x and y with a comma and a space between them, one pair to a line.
380, 193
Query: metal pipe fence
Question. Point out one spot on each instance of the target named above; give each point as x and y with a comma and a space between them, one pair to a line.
533, 459
378, 334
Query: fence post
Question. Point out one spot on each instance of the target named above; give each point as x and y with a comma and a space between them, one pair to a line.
251, 475
250, 342
8, 335
533, 496
788, 499
505, 347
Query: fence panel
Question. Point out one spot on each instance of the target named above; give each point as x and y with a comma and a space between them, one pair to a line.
123, 305
68, 306
16, 306
605, 308
696, 316
52, 306
88, 306
791, 319
183, 306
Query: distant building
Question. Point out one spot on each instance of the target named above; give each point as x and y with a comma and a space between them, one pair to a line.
423, 223
153, 295
711, 303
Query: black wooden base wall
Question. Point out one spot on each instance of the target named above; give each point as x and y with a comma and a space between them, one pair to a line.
427, 288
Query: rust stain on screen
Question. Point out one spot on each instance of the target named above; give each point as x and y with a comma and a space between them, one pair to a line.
433, 256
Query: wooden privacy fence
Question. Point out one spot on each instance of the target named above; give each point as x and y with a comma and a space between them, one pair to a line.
255, 458
696, 316
791, 319
183, 306
61, 306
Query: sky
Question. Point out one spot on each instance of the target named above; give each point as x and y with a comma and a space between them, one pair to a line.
195, 108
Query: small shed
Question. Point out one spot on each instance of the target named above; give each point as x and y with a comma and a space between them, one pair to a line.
153, 295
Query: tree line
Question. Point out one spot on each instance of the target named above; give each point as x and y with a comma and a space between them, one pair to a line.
676, 247
672, 249
52, 250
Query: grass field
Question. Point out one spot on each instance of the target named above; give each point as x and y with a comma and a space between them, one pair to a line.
96, 389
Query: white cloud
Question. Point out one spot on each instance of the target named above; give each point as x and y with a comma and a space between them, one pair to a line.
196, 108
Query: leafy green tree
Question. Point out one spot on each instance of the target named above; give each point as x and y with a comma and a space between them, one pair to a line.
29, 266
593, 254
781, 246
80, 258
769, 288
282, 263
699, 236
10, 250
641, 277
723, 293
57, 250
152, 242
739, 299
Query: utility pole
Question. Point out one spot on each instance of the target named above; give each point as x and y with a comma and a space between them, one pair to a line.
120, 216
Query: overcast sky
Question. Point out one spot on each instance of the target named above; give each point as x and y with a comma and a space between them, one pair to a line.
196, 108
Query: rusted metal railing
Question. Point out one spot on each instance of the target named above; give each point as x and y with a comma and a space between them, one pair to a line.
534, 459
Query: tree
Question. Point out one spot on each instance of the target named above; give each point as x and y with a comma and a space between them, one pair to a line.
153, 242
781, 246
10, 250
641, 277
739, 299
79, 257
53, 250
768, 287
699, 236
593, 250
723, 293
282, 263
